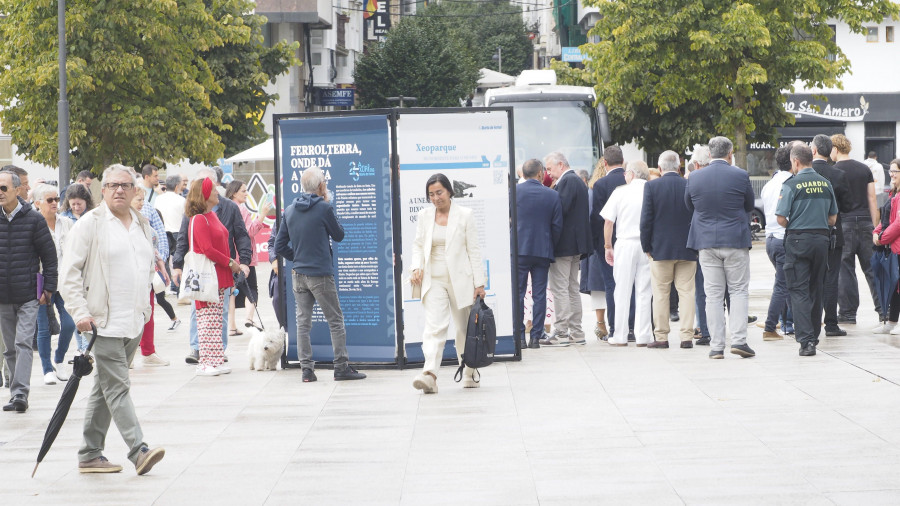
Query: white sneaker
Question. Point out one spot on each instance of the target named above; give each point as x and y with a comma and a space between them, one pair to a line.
205, 370
62, 371
50, 378
426, 383
154, 360
895, 331
223, 369
884, 329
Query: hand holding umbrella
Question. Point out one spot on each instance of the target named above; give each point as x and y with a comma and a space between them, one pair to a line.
82, 365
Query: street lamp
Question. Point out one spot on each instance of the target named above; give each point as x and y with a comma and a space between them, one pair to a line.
62, 107
498, 57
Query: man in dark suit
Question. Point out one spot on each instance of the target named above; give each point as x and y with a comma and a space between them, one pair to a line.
721, 198
665, 223
539, 224
574, 244
613, 162
821, 149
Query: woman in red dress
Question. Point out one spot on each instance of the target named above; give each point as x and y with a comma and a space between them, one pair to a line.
210, 238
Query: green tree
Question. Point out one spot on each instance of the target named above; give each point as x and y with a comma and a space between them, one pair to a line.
416, 59
243, 70
481, 26
142, 86
674, 72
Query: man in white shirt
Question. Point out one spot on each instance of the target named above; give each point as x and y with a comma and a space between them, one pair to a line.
150, 176
630, 265
110, 250
770, 195
170, 205
878, 174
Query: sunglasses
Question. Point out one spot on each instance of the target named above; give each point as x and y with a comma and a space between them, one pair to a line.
116, 186
4, 188
51, 200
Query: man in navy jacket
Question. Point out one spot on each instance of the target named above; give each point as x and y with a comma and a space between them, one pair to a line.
304, 238
574, 244
538, 227
665, 223
721, 198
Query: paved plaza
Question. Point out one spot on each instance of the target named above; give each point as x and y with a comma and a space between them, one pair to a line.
578, 425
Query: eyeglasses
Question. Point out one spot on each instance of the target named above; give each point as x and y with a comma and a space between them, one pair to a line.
892, 171
51, 200
4, 188
116, 186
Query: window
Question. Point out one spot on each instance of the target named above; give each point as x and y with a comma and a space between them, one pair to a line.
872, 34
889, 34
317, 58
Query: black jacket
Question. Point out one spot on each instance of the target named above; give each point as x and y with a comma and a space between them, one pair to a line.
841, 194
25, 246
238, 238
575, 239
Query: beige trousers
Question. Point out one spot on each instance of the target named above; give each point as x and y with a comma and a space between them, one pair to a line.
663, 273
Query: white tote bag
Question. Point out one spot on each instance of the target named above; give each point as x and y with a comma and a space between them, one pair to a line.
198, 278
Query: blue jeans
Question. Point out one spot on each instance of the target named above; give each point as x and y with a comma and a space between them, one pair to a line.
195, 341
780, 299
66, 326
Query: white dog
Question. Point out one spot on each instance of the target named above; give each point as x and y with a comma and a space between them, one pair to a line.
264, 349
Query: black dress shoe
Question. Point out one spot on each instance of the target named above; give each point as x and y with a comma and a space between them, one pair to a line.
835, 331
534, 344
673, 316
703, 341
18, 403
807, 350
631, 337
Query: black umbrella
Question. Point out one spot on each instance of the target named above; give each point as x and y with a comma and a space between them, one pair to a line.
241, 282
886, 273
82, 365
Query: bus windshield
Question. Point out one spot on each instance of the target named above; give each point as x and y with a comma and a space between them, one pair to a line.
566, 126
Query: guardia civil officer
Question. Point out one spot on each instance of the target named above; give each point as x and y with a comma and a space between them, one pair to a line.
807, 210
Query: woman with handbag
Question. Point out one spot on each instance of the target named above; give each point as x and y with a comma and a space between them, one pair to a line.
46, 199
890, 236
209, 238
446, 264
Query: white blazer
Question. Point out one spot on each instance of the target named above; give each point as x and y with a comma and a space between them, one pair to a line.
463, 252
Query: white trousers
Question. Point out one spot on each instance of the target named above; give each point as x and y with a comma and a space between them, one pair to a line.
631, 267
440, 307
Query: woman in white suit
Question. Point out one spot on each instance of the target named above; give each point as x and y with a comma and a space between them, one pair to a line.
447, 264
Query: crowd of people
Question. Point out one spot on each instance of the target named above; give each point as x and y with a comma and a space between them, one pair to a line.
669, 245
660, 245
78, 265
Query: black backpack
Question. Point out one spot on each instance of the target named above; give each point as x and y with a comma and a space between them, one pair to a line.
481, 338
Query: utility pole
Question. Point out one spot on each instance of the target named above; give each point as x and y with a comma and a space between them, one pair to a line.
62, 108
499, 57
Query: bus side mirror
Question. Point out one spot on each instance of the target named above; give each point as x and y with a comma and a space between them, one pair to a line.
603, 123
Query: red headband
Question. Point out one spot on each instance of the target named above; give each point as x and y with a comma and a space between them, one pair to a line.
207, 188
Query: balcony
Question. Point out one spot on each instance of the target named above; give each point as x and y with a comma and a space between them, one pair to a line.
316, 13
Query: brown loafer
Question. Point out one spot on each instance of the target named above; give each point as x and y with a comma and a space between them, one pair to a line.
687, 344
658, 344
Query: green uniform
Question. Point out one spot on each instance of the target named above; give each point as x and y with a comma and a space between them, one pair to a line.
807, 200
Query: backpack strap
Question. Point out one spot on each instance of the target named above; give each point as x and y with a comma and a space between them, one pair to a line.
459, 373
